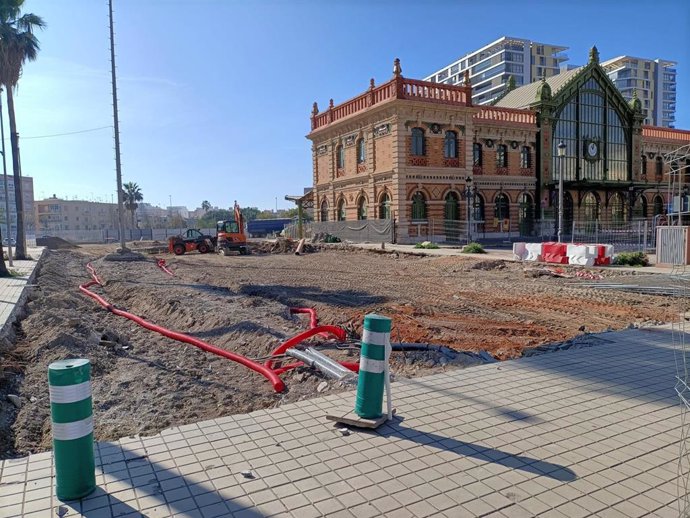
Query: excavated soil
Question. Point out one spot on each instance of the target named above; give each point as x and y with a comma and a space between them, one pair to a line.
144, 382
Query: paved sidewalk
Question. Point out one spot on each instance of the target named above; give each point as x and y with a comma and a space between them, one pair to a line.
11, 287
582, 432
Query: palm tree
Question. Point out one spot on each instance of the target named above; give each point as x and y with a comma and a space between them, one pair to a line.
205, 206
131, 195
18, 44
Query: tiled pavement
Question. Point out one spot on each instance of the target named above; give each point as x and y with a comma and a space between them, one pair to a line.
585, 432
11, 287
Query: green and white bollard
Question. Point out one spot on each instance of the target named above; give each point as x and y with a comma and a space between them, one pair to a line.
373, 367
72, 420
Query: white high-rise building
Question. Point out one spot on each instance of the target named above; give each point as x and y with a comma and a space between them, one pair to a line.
654, 81
492, 65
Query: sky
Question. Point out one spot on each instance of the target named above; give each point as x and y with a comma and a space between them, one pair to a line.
215, 95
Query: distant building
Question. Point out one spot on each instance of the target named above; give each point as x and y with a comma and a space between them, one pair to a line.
655, 83
178, 210
490, 66
57, 214
27, 196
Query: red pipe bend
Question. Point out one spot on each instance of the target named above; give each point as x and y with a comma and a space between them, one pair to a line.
161, 264
277, 383
335, 331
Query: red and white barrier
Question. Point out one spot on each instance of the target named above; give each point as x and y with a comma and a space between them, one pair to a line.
564, 253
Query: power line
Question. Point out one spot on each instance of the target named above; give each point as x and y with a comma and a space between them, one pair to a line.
65, 134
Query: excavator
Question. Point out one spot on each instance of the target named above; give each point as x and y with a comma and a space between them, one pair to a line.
230, 234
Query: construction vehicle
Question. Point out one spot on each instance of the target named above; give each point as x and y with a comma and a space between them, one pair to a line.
193, 239
230, 234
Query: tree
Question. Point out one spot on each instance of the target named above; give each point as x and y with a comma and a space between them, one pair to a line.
205, 206
131, 195
212, 217
250, 213
18, 44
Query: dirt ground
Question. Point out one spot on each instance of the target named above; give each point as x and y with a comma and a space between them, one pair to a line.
143, 382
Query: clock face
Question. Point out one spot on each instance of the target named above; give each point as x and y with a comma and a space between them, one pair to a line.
592, 149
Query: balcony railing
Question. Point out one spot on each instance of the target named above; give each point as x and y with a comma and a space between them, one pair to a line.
397, 88
512, 115
655, 132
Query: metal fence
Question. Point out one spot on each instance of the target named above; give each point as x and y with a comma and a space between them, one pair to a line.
370, 230
112, 236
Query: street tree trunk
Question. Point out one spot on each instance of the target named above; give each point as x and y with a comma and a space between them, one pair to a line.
20, 251
4, 272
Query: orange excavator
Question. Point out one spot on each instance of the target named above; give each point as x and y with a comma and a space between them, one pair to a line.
230, 234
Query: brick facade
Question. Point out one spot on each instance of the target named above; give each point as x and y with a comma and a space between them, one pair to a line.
385, 118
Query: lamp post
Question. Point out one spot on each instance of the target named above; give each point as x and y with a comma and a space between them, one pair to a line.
468, 193
561, 156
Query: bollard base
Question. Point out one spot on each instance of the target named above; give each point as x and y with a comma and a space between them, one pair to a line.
349, 418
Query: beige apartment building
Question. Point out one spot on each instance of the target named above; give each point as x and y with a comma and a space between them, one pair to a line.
57, 214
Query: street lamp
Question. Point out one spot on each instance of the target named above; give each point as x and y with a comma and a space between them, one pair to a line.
468, 193
561, 156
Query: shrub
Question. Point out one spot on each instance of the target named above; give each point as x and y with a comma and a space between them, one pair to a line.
473, 248
426, 244
631, 259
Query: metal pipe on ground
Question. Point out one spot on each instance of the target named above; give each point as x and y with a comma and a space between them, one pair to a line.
300, 245
330, 369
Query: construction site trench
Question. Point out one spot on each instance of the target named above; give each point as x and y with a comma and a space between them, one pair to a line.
144, 382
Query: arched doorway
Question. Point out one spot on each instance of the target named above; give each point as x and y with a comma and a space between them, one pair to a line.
451, 210
385, 206
501, 212
617, 208
526, 214
658, 205
418, 206
590, 210
362, 208
324, 210
451, 215
340, 216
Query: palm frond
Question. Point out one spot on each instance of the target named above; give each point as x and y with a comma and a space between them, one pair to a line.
30, 22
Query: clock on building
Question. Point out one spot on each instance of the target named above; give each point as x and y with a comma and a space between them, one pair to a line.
591, 150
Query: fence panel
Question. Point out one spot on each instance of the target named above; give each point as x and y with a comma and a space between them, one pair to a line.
368, 230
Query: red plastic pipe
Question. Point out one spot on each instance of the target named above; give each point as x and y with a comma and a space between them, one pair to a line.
161, 264
313, 319
277, 383
335, 331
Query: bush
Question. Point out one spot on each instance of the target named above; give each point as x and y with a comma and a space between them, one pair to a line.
631, 259
473, 248
426, 244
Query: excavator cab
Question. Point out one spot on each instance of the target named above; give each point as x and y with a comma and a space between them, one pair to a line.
230, 234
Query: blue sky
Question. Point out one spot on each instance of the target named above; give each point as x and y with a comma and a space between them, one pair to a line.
215, 95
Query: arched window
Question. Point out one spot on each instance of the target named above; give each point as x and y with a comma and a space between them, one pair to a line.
451, 210
418, 206
644, 165
659, 166
502, 207
340, 151
617, 206
525, 157
418, 142
568, 209
477, 154
526, 214
324, 210
341, 209
450, 145
385, 206
590, 204
658, 205
361, 151
478, 209
501, 155
643, 206
362, 208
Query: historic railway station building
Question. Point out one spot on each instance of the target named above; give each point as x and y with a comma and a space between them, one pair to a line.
416, 152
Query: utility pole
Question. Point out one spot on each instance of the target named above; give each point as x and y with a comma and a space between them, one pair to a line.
116, 123
8, 217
